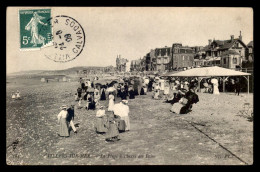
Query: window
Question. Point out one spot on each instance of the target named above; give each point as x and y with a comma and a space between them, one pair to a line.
166, 60
224, 60
159, 60
234, 60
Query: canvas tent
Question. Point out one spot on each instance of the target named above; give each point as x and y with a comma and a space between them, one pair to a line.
42, 79
210, 72
64, 79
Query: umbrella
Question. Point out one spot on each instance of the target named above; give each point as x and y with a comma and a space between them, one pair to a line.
110, 89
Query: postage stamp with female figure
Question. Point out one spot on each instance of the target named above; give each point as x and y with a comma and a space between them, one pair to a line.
30, 22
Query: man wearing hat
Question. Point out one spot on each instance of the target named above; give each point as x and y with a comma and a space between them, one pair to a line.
62, 116
70, 118
121, 109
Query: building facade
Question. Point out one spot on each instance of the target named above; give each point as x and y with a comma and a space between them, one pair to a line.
218, 48
163, 58
182, 57
250, 47
136, 65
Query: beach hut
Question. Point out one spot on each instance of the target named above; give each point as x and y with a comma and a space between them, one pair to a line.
42, 79
214, 71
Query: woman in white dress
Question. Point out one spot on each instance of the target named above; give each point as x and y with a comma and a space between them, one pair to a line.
64, 125
111, 101
214, 81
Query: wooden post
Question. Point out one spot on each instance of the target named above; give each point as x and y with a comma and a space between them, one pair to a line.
224, 84
247, 84
199, 84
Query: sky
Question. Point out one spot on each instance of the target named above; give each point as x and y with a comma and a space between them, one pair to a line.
131, 32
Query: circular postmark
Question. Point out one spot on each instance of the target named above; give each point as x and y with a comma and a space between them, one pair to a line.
68, 39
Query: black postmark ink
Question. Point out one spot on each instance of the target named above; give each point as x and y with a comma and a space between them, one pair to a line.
68, 38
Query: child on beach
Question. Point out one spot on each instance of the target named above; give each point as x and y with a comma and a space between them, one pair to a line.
112, 125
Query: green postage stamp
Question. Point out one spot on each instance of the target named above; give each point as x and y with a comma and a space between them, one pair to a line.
35, 30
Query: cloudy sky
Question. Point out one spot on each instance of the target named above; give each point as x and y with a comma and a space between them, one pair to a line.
131, 32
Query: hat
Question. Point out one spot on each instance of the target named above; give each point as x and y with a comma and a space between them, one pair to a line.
63, 107
124, 101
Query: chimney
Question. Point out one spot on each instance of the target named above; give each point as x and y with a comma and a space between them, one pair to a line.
240, 36
232, 37
210, 41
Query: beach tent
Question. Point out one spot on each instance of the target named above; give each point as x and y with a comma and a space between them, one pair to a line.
210, 72
42, 79
64, 79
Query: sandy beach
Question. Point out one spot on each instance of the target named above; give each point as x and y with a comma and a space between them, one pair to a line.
214, 133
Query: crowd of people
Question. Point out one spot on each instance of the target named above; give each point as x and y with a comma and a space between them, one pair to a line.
180, 92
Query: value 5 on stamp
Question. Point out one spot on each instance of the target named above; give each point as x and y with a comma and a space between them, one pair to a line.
30, 22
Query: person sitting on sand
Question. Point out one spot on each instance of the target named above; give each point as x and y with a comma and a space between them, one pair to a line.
192, 98
100, 120
62, 116
13, 95
18, 95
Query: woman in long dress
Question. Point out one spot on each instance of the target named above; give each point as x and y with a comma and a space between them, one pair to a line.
112, 126
111, 101
214, 81
103, 95
100, 121
64, 126
131, 93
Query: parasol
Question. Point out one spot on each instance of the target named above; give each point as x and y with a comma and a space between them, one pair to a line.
110, 89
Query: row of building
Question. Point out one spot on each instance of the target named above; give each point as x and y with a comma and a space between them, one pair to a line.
231, 53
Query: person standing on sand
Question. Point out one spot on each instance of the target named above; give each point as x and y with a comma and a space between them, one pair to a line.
214, 81
70, 118
103, 94
112, 126
100, 120
121, 109
237, 86
131, 93
111, 101
62, 116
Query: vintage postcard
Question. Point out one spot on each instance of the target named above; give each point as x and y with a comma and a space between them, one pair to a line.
129, 86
